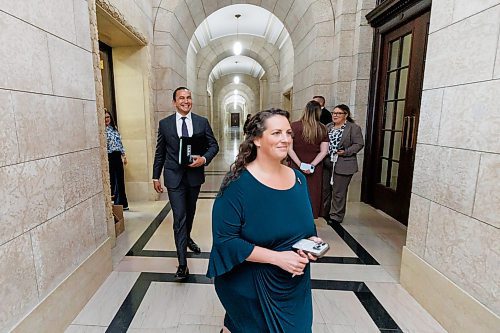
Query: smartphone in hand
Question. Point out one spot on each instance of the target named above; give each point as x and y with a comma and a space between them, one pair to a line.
316, 249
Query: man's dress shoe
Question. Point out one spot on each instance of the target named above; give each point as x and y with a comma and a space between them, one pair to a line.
182, 272
193, 247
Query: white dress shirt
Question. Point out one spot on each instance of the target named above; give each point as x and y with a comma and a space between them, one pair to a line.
178, 123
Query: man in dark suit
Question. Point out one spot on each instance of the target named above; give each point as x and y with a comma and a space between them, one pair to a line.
183, 182
326, 116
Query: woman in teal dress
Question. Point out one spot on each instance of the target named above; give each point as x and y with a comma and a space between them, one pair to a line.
262, 209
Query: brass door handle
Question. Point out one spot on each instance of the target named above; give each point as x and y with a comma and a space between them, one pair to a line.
409, 130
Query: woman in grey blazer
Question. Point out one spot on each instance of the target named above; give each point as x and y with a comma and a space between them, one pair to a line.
345, 141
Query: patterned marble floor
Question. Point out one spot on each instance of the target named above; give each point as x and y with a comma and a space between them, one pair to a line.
355, 287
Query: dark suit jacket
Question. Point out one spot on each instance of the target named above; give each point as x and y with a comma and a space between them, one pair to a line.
352, 141
326, 117
167, 152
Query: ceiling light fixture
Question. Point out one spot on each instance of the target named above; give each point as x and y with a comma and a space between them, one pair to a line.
237, 48
236, 79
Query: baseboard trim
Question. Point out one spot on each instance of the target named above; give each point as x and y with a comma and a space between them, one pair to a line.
450, 305
56, 311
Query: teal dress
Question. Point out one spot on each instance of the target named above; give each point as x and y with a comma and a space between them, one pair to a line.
260, 298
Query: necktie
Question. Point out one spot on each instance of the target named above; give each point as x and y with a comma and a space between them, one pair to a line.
184, 128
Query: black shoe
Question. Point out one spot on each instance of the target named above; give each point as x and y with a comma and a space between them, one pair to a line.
182, 272
331, 221
193, 247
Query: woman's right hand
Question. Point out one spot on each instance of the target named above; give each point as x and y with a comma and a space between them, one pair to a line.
292, 262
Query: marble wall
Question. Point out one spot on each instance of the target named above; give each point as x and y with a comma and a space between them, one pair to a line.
52, 216
454, 214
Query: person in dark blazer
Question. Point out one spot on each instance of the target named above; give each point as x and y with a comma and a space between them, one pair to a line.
325, 117
345, 141
183, 182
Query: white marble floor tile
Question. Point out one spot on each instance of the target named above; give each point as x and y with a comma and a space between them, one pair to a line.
160, 265
348, 272
167, 305
329, 328
163, 238
153, 330
343, 308
85, 329
199, 329
103, 306
338, 248
379, 249
404, 309
136, 221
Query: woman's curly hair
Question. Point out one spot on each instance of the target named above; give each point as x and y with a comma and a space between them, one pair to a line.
248, 151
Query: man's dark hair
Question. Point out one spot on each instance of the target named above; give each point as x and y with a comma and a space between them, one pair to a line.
174, 95
321, 98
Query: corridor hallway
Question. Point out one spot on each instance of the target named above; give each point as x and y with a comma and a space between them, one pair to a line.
355, 287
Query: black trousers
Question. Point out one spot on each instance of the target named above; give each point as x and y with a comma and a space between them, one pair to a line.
117, 178
183, 202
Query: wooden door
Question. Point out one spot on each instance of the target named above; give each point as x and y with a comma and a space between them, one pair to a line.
399, 90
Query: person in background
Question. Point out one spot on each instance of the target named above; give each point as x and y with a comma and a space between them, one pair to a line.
262, 209
249, 116
345, 141
310, 146
326, 116
117, 159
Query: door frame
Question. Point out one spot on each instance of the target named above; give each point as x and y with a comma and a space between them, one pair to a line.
387, 16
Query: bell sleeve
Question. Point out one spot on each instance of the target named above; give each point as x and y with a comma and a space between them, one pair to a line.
228, 247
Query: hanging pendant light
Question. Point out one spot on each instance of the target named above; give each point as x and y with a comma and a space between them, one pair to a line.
237, 47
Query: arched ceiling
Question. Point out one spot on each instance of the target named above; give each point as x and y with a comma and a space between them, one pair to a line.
254, 20
237, 64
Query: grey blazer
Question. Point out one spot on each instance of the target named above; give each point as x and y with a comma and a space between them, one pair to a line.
352, 141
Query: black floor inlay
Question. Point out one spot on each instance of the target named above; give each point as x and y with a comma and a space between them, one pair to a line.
149, 232
363, 257
123, 318
360, 251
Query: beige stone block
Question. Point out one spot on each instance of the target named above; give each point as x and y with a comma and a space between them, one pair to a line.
9, 154
441, 14
25, 63
82, 24
322, 11
266, 4
100, 225
35, 130
91, 124
59, 309
496, 73
82, 176
361, 66
487, 200
62, 244
18, 289
31, 194
430, 115
463, 52
197, 11
137, 157
72, 70
45, 132
417, 224
467, 251
140, 191
463, 106
359, 92
345, 22
463, 8
453, 307
446, 176
55, 16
